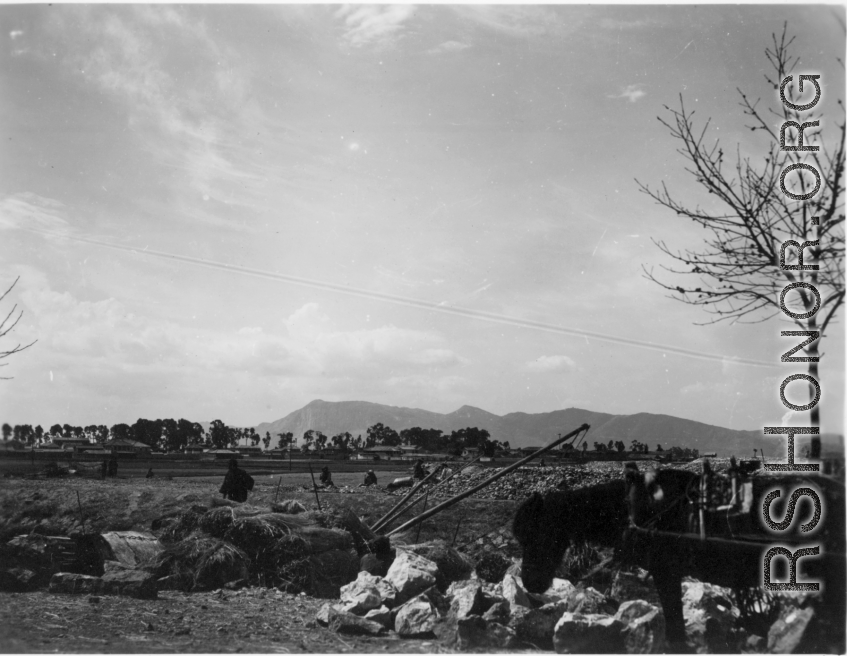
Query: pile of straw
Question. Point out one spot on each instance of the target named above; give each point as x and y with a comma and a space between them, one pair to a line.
200, 562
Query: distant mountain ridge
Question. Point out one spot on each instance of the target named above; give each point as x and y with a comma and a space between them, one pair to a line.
524, 429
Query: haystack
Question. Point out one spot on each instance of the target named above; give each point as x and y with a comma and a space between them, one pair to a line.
200, 562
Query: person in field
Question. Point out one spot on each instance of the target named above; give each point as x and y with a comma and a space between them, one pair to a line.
149, 473
237, 483
370, 478
420, 472
113, 466
326, 477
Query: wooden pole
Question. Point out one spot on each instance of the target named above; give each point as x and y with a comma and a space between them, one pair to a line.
382, 520
277, 488
418, 500
508, 470
315, 487
418, 536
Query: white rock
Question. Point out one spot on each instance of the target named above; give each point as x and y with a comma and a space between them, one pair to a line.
467, 598
381, 615
410, 574
645, 627
513, 592
416, 617
361, 595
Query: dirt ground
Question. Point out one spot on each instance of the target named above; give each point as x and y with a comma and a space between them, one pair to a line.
249, 620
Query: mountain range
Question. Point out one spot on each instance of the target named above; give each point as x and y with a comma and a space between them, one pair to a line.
525, 429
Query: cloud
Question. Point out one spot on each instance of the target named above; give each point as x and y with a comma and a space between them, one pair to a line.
633, 93
191, 117
514, 20
14, 34
375, 25
550, 363
448, 46
94, 343
29, 210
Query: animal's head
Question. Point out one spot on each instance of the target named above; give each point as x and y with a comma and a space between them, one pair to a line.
542, 533
655, 493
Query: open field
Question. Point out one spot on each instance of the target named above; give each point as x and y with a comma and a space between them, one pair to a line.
250, 620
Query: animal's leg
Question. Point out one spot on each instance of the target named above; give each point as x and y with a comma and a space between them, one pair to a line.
668, 582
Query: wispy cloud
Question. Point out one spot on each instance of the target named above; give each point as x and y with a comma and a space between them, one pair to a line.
515, 20
190, 118
632, 93
550, 363
374, 25
29, 210
448, 46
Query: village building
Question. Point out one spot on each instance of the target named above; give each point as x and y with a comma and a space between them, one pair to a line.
124, 446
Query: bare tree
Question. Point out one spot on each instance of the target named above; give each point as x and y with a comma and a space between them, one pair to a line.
7, 325
736, 275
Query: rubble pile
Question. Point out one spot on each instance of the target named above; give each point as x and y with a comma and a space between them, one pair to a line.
526, 480
421, 597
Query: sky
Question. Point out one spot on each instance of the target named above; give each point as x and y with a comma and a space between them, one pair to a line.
225, 212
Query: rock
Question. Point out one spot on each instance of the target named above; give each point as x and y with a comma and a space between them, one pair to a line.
576, 633
467, 599
132, 548
536, 625
474, 633
416, 618
331, 570
755, 644
498, 612
17, 579
590, 602
288, 507
381, 615
627, 585
513, 592
560, 589
322, 616
130, 583
452, 566
388, 593
410, 574
75, 583
350, 624
708, 597
371, 564
515, 569
787, 634
361, 595
709, 616
645, 627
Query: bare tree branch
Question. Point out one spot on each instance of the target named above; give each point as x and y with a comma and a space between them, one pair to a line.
7, 325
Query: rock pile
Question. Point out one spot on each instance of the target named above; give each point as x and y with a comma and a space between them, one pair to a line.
423, 597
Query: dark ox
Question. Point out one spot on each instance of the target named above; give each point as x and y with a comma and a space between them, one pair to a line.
546, 526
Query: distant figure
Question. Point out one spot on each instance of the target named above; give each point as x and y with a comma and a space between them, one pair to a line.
370, 478
326, 477
237, 483
149, 473
419, 470
113, 466
543, 464
104, 468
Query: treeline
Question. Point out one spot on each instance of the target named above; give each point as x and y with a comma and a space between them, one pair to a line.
638, 447
163, 434
426, 439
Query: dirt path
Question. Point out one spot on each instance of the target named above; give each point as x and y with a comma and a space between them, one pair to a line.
251, 620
